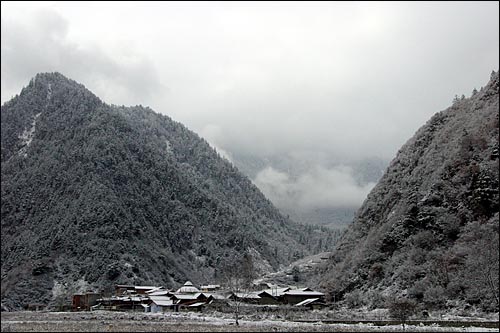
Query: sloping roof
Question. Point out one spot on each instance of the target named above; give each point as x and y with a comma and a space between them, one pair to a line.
159, 293
196, 304
215, 296
136, 298
247, 295
276, 291
159, 298
154, 290
188, 288
144, 287
303, 293
164, 303
188, 296
307, 301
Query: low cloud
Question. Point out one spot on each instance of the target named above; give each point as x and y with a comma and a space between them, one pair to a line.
318, 188
40, 43
213, 134
288, 92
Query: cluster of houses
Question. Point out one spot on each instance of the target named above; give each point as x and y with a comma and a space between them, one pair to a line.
190, 298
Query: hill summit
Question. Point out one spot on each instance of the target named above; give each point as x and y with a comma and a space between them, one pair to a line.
96, 194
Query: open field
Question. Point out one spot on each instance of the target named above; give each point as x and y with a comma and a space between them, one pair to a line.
102, 321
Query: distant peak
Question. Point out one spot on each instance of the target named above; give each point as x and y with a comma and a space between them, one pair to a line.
52, 83
50, 75
54, 77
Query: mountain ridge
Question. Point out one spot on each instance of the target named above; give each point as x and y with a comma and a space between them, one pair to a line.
96, 194
425, 229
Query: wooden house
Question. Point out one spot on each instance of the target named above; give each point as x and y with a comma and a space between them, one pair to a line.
295, 296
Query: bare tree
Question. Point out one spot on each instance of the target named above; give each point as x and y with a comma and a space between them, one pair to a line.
236, 274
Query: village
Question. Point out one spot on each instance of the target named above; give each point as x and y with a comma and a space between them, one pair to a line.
157, 299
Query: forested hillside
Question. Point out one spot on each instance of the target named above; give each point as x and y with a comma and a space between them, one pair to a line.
429, 230
96, 194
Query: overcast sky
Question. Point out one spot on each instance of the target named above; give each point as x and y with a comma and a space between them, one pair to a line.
349, 80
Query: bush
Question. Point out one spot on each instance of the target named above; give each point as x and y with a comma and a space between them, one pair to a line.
402, 309
354, 299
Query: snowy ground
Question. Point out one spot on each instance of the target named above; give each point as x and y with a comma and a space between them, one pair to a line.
102, 321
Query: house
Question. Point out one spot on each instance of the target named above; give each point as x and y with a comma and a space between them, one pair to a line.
120, 289
83, 302
248, 297
266, 298
217, 300
295, 296
277, 292
187, 299
198, 306
162, 304
129, 303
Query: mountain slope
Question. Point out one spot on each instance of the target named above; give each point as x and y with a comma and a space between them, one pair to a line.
94, 194
429, 229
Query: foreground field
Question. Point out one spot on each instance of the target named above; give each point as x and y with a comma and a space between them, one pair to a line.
101, 321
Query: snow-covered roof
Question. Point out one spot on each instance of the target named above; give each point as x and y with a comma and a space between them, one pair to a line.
276, 291
145, 287
164, 303
188, 288
215, 296
154, 290
159, 298
196, 304
307, 301
247, 295
303, 293
188, 296
159, 293
162, 300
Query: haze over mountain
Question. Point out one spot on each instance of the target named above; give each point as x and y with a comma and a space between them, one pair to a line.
313, 188
306, 91
96, 194
429, 229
